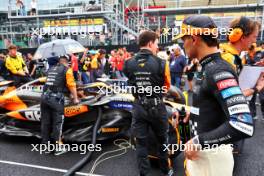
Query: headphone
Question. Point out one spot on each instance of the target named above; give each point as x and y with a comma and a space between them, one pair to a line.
238, 30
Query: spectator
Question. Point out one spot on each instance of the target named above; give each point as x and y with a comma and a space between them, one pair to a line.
177, 65
21, 7
32, 65
102, 62
74, 66
112, 61
33, 6
119, 64
85, 67
126, 54
107, 66
95, 65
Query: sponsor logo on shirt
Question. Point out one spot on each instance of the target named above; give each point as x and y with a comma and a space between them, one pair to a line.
239, 99
247, 129
226, 83
230, 92
222, 75
240, 108
247, 118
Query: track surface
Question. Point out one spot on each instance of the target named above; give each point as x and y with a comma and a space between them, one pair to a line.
17, 159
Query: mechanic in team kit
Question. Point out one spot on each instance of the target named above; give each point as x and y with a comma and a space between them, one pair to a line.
148, 71
244, 33
224, 115
16, 66
60, 79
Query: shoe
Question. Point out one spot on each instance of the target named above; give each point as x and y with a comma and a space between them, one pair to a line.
170, 173
60, 151
255, 117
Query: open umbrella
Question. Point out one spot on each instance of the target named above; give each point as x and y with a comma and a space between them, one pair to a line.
57, 48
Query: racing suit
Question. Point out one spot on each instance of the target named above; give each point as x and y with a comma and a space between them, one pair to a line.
150, 73
224, 115
52, 102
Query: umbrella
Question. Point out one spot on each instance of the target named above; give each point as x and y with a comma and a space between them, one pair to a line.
58, 48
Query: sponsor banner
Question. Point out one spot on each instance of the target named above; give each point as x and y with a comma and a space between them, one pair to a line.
230, 92
239, 99
247, 129
73, 22
226, 83
223, 75
246, 118
240, 108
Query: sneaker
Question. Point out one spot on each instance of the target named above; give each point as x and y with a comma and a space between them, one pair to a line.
255, 117
60, 151
170, 173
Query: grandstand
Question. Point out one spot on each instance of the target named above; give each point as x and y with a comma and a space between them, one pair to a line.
119, 20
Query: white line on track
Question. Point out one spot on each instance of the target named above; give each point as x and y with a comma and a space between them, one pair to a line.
44, 168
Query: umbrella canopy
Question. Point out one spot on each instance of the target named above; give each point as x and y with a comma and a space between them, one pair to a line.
58, 48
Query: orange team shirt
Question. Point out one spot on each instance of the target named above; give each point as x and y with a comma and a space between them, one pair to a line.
70, 81
167, 76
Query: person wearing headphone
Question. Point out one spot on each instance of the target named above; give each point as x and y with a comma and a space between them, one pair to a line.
244, 32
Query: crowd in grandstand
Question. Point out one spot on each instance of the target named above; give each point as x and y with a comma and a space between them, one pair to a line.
93, 64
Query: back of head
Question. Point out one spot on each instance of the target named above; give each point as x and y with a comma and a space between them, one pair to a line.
146, 37
241, 26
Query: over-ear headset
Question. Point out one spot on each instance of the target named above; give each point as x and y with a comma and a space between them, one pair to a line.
238, 30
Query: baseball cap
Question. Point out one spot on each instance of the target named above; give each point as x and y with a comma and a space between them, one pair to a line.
197, 25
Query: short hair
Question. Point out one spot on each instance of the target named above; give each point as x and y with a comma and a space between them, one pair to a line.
210, 40
12, 47
146, 37
246, 24
102, 51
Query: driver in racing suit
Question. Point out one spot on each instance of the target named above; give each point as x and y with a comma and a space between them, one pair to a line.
224, 115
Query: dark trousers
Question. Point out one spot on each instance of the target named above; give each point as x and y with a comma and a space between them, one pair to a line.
75, 74
156, 118
19, 80
252, 104
176, 79
52, 116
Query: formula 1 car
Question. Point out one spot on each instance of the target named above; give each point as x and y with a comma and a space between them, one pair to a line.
24, 116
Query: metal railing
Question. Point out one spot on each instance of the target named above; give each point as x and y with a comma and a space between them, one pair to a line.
51, 7
192, 3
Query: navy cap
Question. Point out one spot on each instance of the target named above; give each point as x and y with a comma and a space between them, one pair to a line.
197, 25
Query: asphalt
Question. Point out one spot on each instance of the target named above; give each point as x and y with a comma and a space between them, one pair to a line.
17, 159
